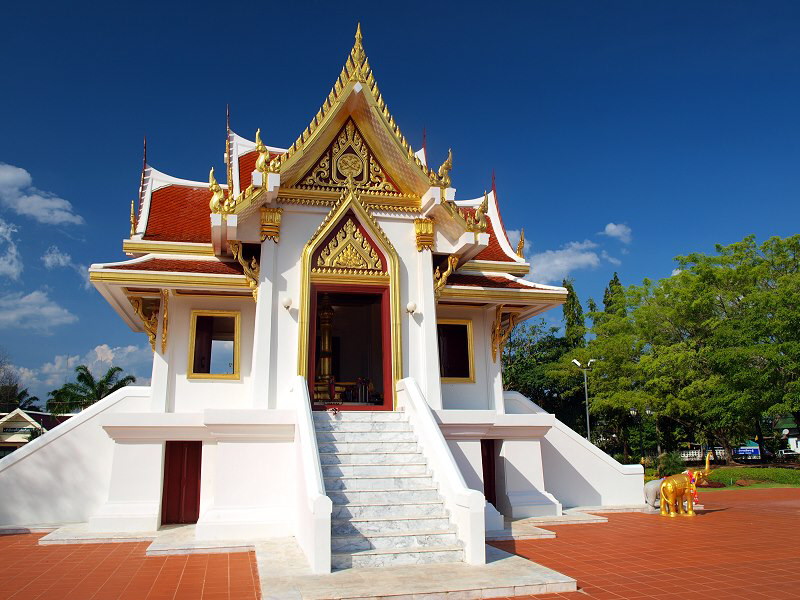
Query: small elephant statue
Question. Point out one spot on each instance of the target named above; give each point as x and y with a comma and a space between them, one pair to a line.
677, 489
652, 492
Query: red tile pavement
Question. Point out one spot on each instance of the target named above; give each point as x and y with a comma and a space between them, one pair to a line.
120, 572
745, 546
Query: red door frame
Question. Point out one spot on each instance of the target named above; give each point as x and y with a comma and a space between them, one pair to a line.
386, 341
180, 499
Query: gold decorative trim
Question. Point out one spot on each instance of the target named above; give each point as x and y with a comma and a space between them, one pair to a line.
146, 247
521, 243
423, 229
164, 319
348, 252
150, 323
470, 349
350, 201
442, 178
251, 269
329, 201
139, 278
133, 219
501, 329
440, 279
356, 70
349, 157
483, 266
218, 201
271, 223
505, 295
346, 277
331, 194
213, 294
190, 374
263, 161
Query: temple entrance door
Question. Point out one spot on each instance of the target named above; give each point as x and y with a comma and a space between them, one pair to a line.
350, 342
181, 493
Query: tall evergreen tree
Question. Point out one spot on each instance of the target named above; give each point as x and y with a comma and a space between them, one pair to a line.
614, 296
574, 325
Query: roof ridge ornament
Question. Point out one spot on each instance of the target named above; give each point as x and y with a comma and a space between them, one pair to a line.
218, 202
521, 243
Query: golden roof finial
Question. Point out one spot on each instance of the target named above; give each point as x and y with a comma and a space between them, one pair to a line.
357, 54
133, 219
217, 194
262, 162
444, 170
480, 213
521, 243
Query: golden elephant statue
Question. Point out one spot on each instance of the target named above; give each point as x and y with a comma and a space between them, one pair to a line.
677, 489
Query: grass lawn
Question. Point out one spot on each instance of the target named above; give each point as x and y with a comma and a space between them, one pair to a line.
756, 486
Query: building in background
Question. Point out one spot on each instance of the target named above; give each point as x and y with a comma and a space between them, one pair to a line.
19, 426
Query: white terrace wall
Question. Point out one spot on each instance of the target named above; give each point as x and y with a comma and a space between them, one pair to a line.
63, 476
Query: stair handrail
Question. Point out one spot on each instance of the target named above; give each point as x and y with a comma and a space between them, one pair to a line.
313, 523
465, 504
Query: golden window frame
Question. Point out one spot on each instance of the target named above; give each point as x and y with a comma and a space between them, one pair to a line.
470, 349
237, 315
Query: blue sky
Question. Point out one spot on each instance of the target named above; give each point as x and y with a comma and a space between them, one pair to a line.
674, 122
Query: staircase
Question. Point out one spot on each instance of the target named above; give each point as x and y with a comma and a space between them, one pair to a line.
386, 507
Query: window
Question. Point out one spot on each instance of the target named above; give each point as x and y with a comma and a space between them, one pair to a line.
455, 351
214, 345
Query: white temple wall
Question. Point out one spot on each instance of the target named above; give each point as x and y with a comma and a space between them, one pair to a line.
196, 395
478, 395
64, 475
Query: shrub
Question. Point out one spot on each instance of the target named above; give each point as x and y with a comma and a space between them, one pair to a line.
772, 474
670, 463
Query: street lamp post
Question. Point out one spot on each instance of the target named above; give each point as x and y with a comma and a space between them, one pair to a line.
635, 412
585, 368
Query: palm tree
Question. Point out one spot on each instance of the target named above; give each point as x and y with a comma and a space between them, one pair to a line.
12, 397
86, 389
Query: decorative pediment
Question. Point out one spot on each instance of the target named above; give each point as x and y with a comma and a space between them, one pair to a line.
349, 157
349, 251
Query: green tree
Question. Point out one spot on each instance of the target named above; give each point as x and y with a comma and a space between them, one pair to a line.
614, 296
574, 323
86, 389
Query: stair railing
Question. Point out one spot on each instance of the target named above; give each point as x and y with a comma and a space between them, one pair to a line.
466, 505
314, 508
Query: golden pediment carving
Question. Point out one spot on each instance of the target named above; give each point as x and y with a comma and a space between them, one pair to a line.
349, 157
349, 250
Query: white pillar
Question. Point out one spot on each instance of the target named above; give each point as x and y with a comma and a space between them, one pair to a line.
262, 336
159, 382
427, 345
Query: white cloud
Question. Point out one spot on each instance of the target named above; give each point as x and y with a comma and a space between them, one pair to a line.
10, 260
34, 311
612, 259
676, 272
134, 360
18, 194
555, 265
620, 231
54, 258
513, 237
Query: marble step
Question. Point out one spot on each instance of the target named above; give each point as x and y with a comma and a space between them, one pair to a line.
386, 541
374, 470
397, 511
386, 525
366, 436
367, 447
397, 482
384, 496
361, 426
375, 458
361, 415
403, 556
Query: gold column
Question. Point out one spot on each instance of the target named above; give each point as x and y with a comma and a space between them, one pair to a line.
326, 339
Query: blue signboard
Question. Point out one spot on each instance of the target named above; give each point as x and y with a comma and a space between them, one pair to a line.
748, 450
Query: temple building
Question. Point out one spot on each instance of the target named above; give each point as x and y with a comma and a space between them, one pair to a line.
327, 322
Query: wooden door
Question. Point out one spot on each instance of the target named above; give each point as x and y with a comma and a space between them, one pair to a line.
180, 503
489, 479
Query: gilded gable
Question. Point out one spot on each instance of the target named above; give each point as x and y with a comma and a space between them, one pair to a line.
349, 156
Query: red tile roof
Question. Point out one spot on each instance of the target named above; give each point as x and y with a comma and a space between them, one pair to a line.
489, 281
493, 251
179, 213
247, 164
212, 267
